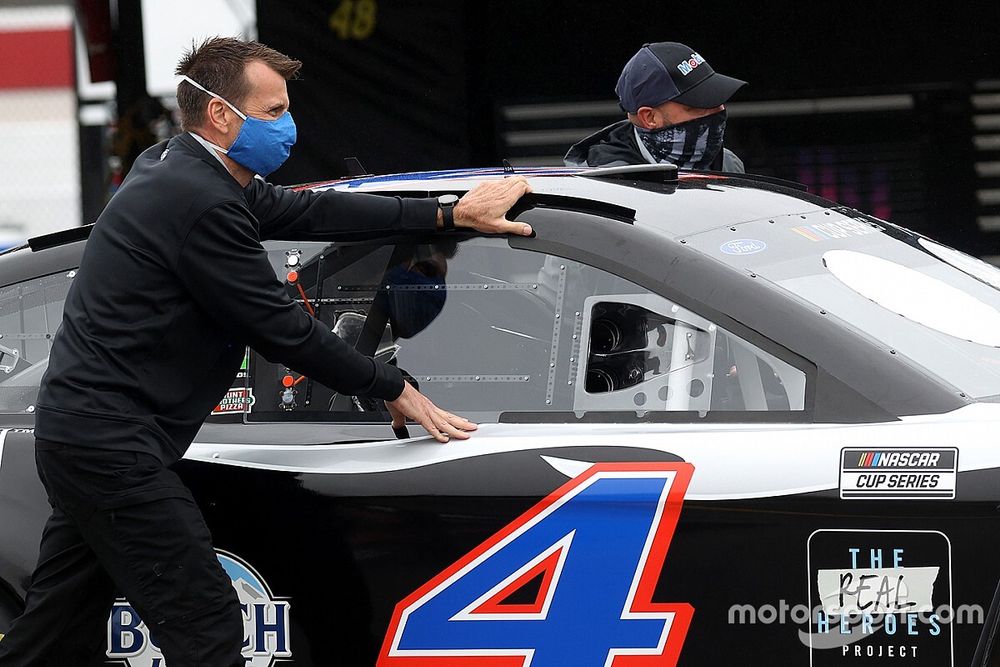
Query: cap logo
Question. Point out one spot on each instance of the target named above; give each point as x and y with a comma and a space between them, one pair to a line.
686, 66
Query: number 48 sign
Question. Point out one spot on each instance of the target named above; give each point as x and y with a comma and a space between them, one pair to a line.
594, 548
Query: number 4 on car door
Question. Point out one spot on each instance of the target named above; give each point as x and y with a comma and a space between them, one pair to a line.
589, 555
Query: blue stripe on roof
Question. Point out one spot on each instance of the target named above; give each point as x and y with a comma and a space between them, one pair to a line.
457, 174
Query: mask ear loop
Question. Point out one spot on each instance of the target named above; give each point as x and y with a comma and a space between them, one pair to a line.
218, 97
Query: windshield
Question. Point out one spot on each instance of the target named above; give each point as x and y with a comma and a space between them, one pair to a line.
933, 304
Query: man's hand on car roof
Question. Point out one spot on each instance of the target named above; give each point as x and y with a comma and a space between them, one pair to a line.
439, 423
483, 207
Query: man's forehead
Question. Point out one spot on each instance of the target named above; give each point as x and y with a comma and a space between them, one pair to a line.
265, 83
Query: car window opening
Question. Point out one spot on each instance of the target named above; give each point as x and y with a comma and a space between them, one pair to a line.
486, 330
30, 314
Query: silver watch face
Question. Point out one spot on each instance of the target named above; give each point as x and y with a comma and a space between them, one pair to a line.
447, 199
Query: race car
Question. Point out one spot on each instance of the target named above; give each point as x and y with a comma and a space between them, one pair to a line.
722, 421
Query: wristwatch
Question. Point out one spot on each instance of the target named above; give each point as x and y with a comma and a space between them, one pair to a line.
447, 205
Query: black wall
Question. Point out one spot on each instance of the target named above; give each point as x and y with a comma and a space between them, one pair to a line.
392, 94
780, 46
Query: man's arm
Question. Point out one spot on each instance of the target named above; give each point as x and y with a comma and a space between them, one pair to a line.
331, 215
228, 273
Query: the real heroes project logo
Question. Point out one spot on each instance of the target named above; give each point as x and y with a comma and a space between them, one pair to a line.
880, 595
265, 623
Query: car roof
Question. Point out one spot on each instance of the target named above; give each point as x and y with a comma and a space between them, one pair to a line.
695, 202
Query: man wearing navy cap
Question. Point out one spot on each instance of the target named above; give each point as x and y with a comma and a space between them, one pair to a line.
676, 111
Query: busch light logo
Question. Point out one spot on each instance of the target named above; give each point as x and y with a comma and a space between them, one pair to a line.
265, 623
742, 247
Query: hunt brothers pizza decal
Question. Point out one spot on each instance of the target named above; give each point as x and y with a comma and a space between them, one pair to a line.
236, 400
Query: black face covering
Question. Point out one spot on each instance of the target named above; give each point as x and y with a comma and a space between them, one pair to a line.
690, 145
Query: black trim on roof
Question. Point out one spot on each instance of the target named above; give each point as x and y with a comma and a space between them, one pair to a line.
575, 204
535, 200
650, 173
59, 238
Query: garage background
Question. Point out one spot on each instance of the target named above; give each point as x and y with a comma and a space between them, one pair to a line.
890, 107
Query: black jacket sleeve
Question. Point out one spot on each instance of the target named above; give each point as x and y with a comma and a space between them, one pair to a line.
304, 215
223, 265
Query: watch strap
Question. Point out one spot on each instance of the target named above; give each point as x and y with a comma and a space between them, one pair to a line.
447, 215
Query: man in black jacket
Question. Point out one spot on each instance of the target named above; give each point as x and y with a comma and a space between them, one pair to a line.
675, 104
173, 285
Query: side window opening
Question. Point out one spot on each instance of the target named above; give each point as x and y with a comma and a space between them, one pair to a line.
643, 353
486, 330
646, 353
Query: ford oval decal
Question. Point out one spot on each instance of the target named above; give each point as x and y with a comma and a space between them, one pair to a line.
742, 247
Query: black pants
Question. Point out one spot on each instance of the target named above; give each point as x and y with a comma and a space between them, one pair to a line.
122, 522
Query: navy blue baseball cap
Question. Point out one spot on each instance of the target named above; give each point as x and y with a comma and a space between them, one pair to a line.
672, 72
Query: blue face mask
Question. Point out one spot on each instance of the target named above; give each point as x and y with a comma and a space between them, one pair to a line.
261, 145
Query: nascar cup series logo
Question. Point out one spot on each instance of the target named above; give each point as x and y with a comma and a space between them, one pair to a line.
898, 474
265, 623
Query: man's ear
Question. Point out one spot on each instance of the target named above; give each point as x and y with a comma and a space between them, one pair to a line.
216, 116
646, 117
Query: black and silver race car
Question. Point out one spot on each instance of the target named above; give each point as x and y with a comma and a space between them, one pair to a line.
723, 422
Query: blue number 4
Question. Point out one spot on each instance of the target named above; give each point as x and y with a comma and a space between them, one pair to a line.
570, 582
